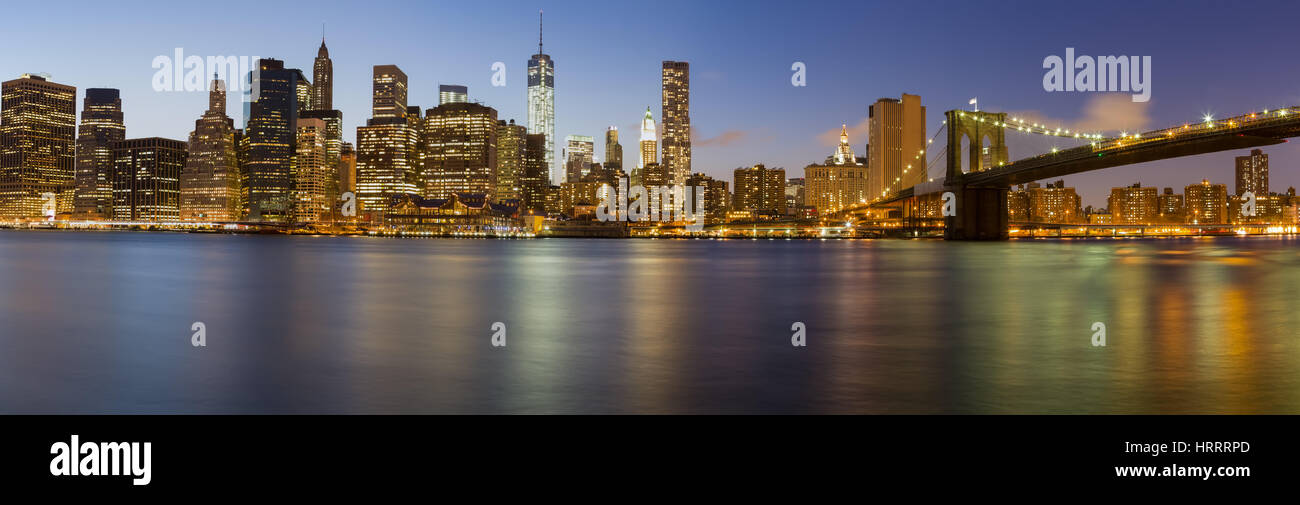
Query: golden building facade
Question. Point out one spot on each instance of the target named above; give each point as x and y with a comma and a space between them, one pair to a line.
897, 135
38, 120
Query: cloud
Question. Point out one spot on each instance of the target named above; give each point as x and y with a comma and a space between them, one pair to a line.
1106, 113
723, 139
857, 135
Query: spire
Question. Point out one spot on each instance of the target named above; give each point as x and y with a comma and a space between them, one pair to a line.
844, 133
539, 32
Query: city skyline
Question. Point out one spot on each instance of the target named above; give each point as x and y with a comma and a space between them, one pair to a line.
609, 83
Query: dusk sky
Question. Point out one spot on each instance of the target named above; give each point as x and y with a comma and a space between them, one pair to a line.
1221, 58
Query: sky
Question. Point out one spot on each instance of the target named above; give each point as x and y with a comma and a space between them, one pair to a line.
1208, 57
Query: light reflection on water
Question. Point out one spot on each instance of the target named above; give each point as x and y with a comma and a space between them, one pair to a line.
100, 322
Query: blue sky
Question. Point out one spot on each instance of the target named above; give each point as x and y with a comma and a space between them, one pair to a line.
1208, 57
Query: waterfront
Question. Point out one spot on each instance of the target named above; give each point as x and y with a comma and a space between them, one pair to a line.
100, 322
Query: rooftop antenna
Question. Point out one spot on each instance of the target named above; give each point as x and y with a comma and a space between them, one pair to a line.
539, 31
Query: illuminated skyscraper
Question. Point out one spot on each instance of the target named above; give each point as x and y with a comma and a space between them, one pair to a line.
511, 143
210, 180
649, 142
38, 121
451, 93
389, 92
323, 73
676, 117
460, 145
541, 100
388, 152
101, 125
146, 179
1252, 173
578, 153
311, 201
897, 134
272, 124
613, 150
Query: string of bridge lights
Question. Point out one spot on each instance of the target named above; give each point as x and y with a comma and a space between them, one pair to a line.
1025, 126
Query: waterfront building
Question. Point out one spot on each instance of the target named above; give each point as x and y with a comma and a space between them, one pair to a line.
837, 183
388, 146
272, 125
311, 198
760, 190
1054, 204
1206, 203
210, 181
101, 125
1134, 204
147, 178
38, 121
460, 145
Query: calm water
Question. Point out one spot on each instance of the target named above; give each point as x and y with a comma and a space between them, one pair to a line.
100, 322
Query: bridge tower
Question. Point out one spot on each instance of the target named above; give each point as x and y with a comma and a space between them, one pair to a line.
981, 211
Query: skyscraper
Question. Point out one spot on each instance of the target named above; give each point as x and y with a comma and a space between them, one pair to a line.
272, 125
389, 92
541, 100
676, 117
897, 134
146, 179
38, 121
649, 142
578, 153
511, 139
101, 125
460, 145
323, 73
210, 180
1252, 173
388, 153
613, 150
535, 181
311, 201
452, 93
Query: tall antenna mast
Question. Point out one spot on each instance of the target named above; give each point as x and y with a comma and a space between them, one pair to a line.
539, 31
